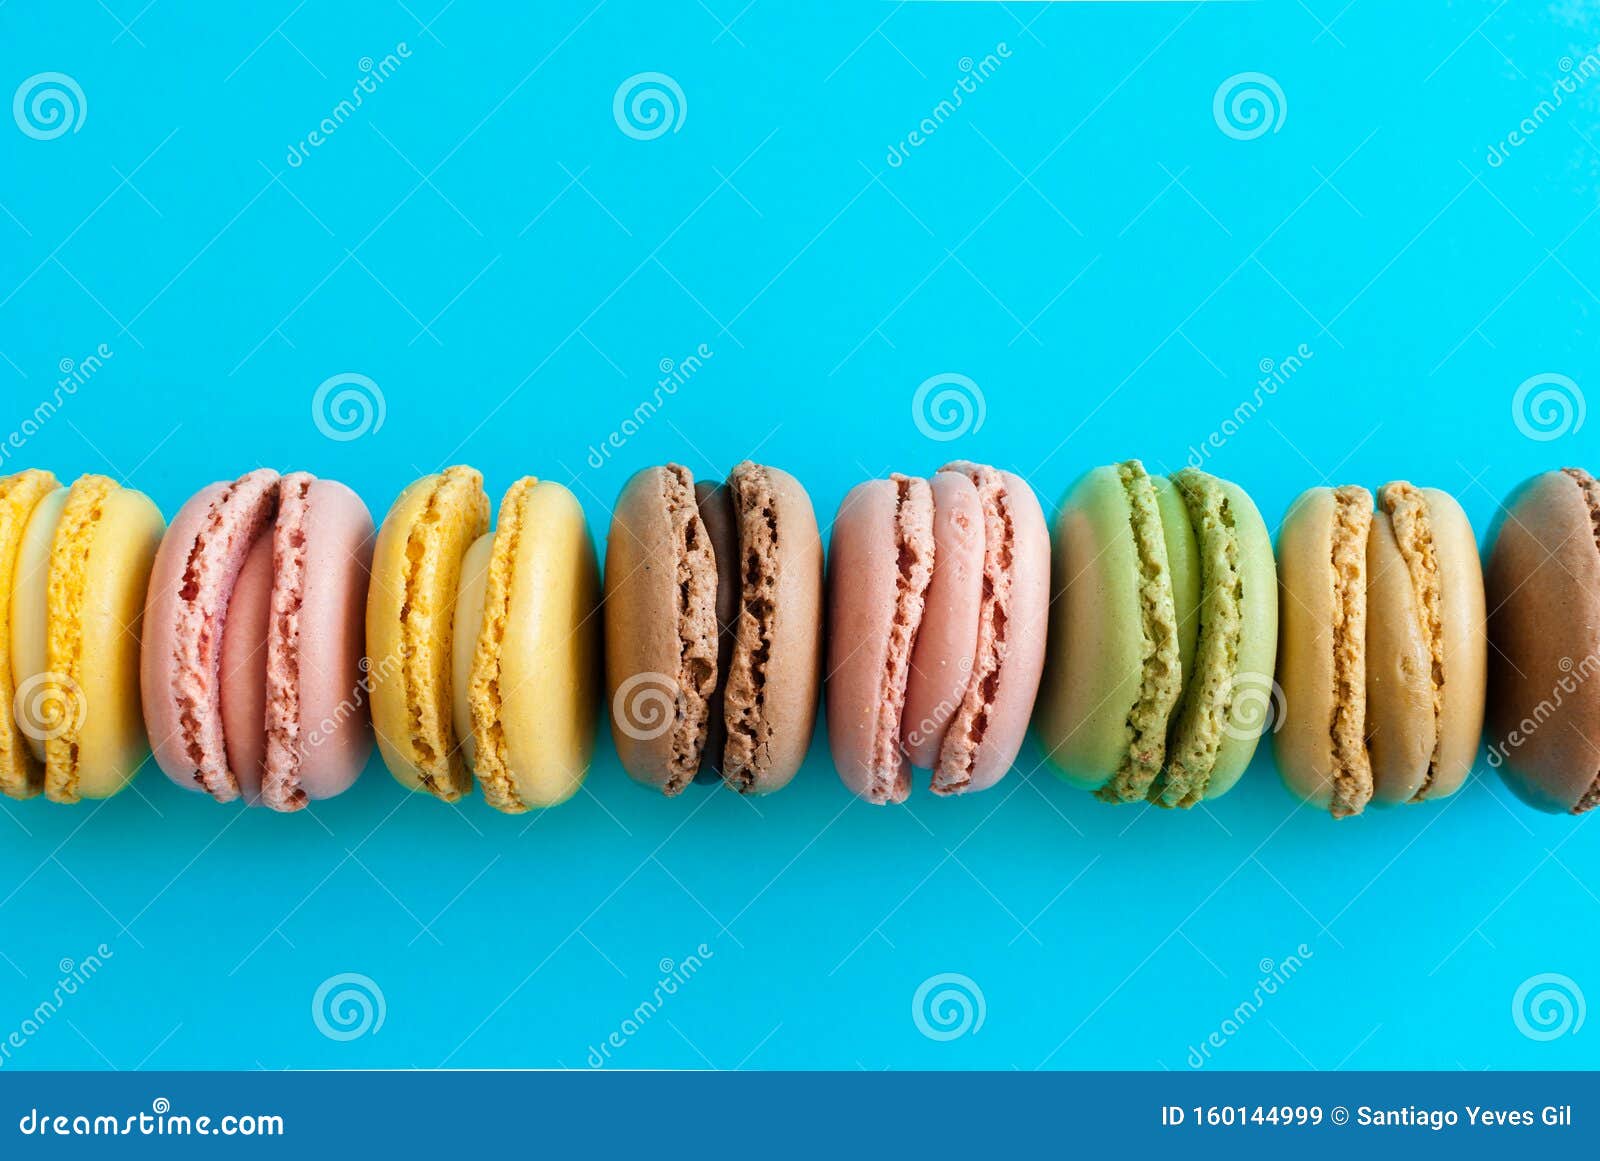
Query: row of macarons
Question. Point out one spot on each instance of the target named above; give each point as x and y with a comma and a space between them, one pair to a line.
261, 643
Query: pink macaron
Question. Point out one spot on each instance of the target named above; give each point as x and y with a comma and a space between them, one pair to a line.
253, 672
938, 603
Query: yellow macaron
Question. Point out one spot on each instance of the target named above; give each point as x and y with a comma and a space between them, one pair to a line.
527, 650
77, 586
416, 574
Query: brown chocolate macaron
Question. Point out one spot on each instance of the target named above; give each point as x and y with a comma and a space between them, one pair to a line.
1543, 585
713, 612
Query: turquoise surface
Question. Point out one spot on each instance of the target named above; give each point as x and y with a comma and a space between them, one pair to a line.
1102, 259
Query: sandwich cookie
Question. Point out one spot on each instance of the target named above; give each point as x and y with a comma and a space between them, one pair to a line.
1543, 581
1163, 636
254, 674
1383, 653
76, 561
713, 618
938, 609
411, 614
526, 650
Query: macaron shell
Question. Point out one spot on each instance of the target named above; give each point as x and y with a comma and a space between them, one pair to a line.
550, 660
416, 572
868, 616
1400, 718
1096, 643
790, 677
113, 744
464, 640
947, 639
1307, 758
1543, 589
158, 661
185, 624
1008, 698
1305, 667
244, 669
21, 773
1257, 658
661, 637
30, 617
335, 730
1466, 643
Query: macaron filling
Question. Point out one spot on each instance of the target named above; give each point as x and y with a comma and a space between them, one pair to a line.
280, 782
696, 679
1161, 679
1591, 496
69, 567
237, 516
959, 752
749, 732
1352, 766
721, 525
424, 609
1207, 707
1413, 532
914, 550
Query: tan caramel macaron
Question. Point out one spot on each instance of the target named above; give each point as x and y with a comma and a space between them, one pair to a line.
1427, 653
1383, 653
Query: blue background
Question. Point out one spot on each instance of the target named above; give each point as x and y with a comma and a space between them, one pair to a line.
1080, 238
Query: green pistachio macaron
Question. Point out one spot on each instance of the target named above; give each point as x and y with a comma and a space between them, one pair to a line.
1229, 699
1163, 634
